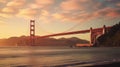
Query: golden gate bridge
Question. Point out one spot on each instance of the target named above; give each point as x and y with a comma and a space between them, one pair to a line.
94, 33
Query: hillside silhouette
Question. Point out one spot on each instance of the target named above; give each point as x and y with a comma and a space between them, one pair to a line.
111, 38
24, 41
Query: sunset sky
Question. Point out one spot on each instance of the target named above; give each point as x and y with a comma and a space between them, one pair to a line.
54, 16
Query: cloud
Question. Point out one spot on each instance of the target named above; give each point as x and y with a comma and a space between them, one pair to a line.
11, 8
58, 16
71, 5
109, 12
45, 2
4, 15
75, 5
3, 1
41, 4
8, 10
61, 10
88, 16
112, 1
62, 17
35, 6
45, 13
16, 3
109, 3
118, 4
46, 16
86, 10
27, 13
71, 17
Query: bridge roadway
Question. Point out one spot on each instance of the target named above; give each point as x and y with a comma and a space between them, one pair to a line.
74, 32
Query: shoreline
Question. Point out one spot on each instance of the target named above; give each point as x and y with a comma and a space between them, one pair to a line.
113, 64
83, 64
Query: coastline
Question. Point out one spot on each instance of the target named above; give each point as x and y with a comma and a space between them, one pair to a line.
91, 64
113, 64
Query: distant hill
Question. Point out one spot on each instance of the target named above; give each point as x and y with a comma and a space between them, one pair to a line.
24, 41
111, 38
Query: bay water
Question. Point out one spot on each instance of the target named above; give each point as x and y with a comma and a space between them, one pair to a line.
57, 56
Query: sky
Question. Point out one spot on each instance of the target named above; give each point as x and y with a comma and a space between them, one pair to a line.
55, 16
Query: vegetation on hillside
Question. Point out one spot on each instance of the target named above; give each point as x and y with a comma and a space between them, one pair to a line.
111, 38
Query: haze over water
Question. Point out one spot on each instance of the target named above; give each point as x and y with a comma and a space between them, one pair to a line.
57, 56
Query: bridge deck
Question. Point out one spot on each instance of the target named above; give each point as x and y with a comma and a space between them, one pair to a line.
74, 32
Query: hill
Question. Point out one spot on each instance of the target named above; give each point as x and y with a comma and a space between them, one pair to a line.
24, 41
111, 38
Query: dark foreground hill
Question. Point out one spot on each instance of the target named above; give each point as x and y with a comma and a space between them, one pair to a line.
24, 41
111, 38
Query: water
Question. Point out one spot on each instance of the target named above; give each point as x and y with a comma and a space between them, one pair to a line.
57, 57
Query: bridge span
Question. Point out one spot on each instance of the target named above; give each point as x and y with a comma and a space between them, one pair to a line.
74, 32
94, 33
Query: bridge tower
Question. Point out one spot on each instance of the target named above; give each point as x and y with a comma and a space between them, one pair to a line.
32, 32
104, 29
91, 37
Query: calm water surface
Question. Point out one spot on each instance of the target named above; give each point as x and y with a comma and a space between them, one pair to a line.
56, 57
